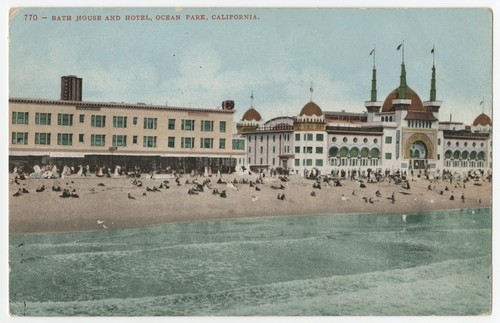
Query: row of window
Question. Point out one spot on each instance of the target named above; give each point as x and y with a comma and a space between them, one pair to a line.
99, 121
99, 140
355, 140
286, 149
465, 144
308, 150
309, 137
419, 124
309, 162
286, 137
464, 155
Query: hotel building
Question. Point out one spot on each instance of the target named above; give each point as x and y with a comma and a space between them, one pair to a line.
74, 132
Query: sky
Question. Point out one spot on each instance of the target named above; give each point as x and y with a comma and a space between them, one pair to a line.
277, 56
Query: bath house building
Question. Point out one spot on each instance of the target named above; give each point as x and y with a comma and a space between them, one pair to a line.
401, 132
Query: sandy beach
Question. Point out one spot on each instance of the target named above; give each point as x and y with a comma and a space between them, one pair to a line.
103, 203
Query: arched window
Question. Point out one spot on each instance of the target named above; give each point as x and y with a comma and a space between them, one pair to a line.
456, 154
333, 152
344, 151
473, 155
354, 152
374, 153
480, 155
365, 152
465, 154
448, 154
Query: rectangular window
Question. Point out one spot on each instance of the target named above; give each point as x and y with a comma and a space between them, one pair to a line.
238, 144
149, 142
64, 119
308, 150
261, 149
134, 139
388, 156
388, 140
319, 150
308, 136
119, 140
222, 143
439, 141
249, 149
98, 121
20, 117
119, 122
19, 138
207, 126
206, 142
171, 124
134, 121
43, 118
297, 162
274, 149
187, 125
97, 140
297, 149
261, 161
309, 162
319, 162
80, 137
222, 126
171, 142
42, 138
150, 123
261, 138
65, 139
320, 137
82, 118
297, 137
187, 142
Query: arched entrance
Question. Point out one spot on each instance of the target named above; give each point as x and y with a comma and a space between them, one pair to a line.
418, 150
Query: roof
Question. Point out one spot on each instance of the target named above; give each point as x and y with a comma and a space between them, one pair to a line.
310, 109
420, 115
482, 120
416, 102
98, 105
251, 114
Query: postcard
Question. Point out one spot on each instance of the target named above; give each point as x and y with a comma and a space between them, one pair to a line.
250, 161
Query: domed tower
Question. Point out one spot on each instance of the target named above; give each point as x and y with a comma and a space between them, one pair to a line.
310, 118
249, 122
482, 123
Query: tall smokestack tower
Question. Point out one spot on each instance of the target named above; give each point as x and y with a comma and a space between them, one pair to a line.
71, 88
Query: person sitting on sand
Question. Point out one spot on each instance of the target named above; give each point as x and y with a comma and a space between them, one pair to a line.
452, 198
313, 193
223, 194
18, 193
378, 194
192, 192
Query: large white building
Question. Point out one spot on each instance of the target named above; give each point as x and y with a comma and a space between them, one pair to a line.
400, 133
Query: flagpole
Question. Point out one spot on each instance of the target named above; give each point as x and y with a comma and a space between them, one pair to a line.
374, 53
311, 90
433, 56
403, 52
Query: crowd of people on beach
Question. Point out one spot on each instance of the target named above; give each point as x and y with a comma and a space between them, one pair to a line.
200, 181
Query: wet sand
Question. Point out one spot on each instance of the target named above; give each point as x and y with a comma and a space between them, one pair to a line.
107, 207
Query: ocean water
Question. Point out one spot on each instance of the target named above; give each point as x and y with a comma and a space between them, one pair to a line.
437, 263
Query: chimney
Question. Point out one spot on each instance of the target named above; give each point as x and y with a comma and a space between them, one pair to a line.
71, 88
